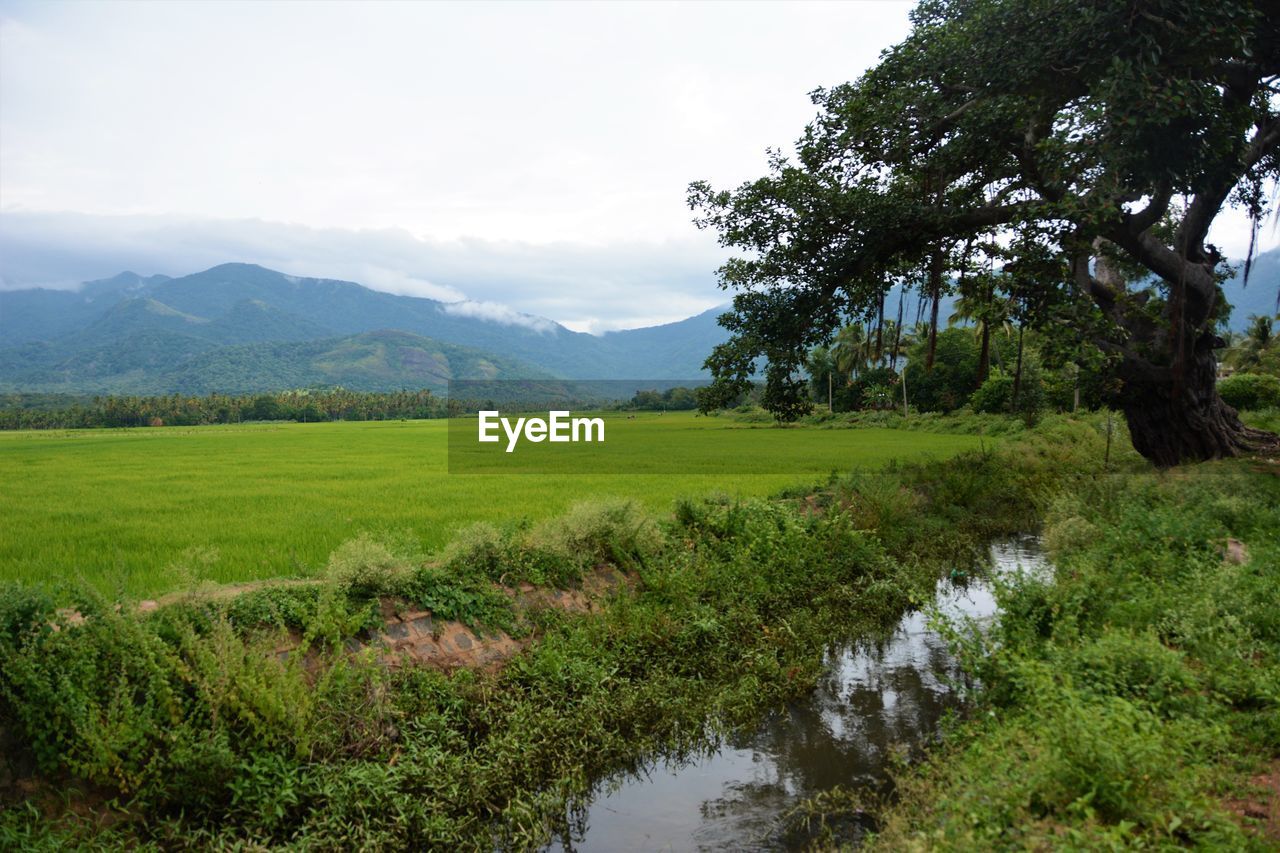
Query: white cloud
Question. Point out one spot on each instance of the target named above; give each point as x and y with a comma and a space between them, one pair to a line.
540, 123
616, 286
495, 312
390, 281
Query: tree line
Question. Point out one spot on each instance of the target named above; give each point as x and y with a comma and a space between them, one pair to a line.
46, 411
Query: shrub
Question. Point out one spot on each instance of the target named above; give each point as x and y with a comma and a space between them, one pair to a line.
366, 566
482, 549
872, 389
993, 396
877, 397
1250, 391
614, 532
954, 375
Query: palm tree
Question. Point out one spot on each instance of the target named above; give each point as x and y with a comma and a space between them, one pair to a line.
849, 351
909, 336
821, 367
1247, 351
988, 312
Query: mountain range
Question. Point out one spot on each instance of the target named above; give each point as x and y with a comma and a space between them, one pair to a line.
241, 328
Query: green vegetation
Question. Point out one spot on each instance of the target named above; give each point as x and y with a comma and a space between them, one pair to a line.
52, 411
240, 328
1124, 702
1121, 703
160, 361
1251, 391
201, 736
125, 509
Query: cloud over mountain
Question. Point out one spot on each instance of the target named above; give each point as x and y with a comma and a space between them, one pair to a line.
584, 287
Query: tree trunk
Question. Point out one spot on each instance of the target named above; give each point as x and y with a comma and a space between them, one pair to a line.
935, 292
897, 331
870, 341
1176, 419
880, 331
1167, 369
984, 356
1017, 372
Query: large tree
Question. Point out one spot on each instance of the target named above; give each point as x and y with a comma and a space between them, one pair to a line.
1108, 133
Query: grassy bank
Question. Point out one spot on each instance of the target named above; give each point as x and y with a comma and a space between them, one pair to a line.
1134, 701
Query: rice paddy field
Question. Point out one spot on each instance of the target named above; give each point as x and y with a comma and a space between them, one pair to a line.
142, 512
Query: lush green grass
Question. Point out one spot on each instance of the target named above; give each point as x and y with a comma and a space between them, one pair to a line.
1128, 700
144, 511
1120, 704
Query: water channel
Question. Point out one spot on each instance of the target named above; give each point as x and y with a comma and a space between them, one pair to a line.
873, 700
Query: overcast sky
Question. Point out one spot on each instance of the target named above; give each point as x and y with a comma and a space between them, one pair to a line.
527, 155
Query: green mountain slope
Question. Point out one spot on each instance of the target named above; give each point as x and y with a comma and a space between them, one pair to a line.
44, 315
132, 316
126, 365
161, 362
371, 361
236, 304
252, 320
1259, 297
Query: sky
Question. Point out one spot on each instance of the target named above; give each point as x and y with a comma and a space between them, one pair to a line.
525, 157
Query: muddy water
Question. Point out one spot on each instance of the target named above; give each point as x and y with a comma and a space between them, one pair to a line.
873, 700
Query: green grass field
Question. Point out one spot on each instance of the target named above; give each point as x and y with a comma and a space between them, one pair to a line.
122, 508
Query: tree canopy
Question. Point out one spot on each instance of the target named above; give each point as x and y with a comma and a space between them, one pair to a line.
1083, 148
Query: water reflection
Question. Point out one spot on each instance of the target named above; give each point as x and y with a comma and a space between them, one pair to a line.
872, 699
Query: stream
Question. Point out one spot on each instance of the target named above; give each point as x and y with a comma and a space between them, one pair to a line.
873, 700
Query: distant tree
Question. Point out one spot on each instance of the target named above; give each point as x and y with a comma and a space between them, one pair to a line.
954, 375
849, 350
1259, 338
981, 305
264, 409
821, 368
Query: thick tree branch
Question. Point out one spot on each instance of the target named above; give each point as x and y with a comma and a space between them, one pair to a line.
1152, 213
1206, 204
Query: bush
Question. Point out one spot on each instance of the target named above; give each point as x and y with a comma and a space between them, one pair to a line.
994, 396
365, 566
1250, 391
947, 386
614, 532
481, 549
872, 389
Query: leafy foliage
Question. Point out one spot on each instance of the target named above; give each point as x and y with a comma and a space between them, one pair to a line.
1251, 391
1123, 698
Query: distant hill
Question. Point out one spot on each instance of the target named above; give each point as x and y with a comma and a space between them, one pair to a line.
240, 327
159, 362
670, 351
135, 334
1259, 297
44, 315
87, 338
372, 361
